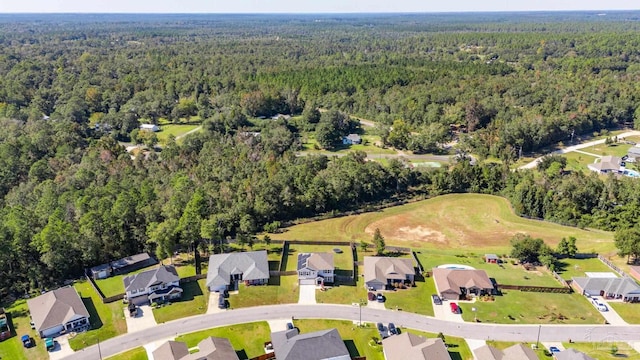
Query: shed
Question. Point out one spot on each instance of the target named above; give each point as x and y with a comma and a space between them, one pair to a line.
491, 258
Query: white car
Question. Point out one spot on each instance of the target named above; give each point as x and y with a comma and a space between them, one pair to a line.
602, 307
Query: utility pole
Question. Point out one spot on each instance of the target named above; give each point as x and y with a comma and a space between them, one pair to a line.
538, 341
99, 352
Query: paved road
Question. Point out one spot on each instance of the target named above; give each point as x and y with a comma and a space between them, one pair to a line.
535, 162
513, 333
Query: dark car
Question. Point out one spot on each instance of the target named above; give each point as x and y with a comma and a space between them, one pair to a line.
380, 327
222, 302
392, 329
289, 326
26, 341
436, 299
380, 298
371, 296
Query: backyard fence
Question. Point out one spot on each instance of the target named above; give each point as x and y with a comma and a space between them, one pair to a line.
419, 265
541, 289
193, 278
612, 266
265, 356
559, 278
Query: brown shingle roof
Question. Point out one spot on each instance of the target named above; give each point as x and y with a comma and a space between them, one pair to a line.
383, 268
213, 348
409, 346
316, 261
454, 279
56, 307
171, 350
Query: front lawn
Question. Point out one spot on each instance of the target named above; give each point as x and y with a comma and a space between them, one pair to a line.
416, 299
107, 320
629, 312
518, 307
568, 268
281, 290
12, 348
604, 350
195, 300
247, 339
344, 293
138, 353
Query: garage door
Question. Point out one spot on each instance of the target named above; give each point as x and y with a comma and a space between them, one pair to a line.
307, 281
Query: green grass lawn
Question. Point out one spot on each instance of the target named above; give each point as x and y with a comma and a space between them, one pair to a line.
569, 268
629, 312
281, 290
356, 339
507, 275
138, 353
344, 293
174, 130
195, 300
310, 144
457, 347
517, 307
578, 161
107, 320
247, 339
602, 351
341, 261
416, 299
12, 349
449, 222
501, 345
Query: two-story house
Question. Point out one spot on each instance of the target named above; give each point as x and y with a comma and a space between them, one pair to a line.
315, 268
156, 285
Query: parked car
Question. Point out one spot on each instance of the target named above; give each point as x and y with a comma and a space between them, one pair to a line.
383, 332
602, 307
27, 342
222, 302
380, 298
392, 329
380, 327
50, 344
33, 325
436, 299
454, 308
371, 296
553, 350
289, 326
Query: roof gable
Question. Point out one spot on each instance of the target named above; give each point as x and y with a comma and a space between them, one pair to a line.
325, 344
253, 265
382, 268
56, 307
163, 274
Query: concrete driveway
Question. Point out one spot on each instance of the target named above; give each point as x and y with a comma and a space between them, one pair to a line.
279, 324
62, 348
213, 304
144, 320
152, 346
611, 315
373, 304
443, 312
307, 294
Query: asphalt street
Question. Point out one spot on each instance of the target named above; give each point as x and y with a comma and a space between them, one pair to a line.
514, 333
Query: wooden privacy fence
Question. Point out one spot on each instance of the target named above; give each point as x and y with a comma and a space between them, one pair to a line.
542, 289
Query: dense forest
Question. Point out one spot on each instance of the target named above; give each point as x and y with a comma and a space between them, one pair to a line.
72, 87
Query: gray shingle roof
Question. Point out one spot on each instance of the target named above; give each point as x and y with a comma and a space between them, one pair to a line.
213, 348
319, 345
164, 274
130, 260
315, 261
621, 286
56, 307
252, 264
383, 268
572, 354
171, 350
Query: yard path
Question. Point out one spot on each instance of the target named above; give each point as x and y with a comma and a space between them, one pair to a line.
512, 333
189, 132
535, 162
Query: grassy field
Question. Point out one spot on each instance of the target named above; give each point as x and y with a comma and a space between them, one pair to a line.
457, 347
247, 339
629, 312
569, 268
516, 307
310, 144
501, 345
578, 161
195, 300
341, 261
449, 222
12, 348
343, 293
416, 299
507, 275
107, 320
281, 290
602, 351
138, 353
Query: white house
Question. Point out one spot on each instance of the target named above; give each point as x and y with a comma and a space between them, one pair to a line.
150, 127
315, 268
351, 139
156, 285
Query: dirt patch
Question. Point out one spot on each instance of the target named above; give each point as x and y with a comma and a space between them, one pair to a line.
418, 233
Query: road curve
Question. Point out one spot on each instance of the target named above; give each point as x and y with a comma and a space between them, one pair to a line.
513, 333
535, 162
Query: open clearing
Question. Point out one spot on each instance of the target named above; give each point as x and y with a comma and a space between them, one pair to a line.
469, 221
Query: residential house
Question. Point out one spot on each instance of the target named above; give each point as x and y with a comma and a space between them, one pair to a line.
122, 266
409, 346
156, 285
351, 139
319, 345
453, 284
315, 268
635, 272
615, 288
59, 311
211, 348
150, 127
572, 354
227, 270
515, 352
280, 116
491, 258
633, 154
608, 164
380, 272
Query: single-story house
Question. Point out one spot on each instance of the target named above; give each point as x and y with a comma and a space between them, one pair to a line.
608, 164
572, 354
150, 127
409, 346
615, 288
211, 348
515, 352
315, 268
227, 270
491, 258
380, 272
452, 284
351, 139
156, 285
635, 272
278, 116
319, 345
633, 154
122, 266
59, 311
